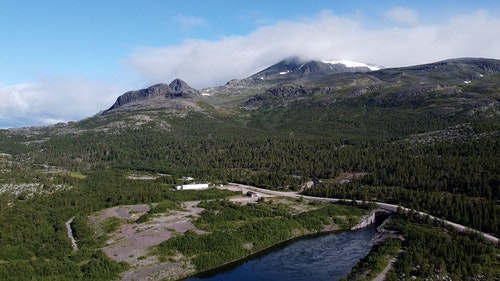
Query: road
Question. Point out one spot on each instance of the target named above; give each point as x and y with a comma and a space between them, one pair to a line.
384, 206
70, 234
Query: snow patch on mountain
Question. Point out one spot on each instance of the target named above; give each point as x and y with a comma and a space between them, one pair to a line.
349, 63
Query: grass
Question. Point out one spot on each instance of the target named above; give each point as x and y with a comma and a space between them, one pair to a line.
111, 224
77, 175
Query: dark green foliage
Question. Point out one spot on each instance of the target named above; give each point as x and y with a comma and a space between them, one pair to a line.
451, 170
34, 243
100, 267
446, 252
161, 207
376, 261
430, 250
315, 220
237, 231
111, 224
480, 213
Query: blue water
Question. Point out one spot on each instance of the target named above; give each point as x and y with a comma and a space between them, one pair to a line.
326, 257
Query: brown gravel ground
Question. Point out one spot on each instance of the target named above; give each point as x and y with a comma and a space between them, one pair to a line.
132, 242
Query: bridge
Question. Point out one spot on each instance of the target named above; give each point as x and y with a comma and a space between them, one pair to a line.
383, 206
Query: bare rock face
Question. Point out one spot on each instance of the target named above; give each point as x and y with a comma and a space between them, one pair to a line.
179, 86
155, 97
144, 94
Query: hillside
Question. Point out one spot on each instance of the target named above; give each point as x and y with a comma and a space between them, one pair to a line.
425, 137
317, 97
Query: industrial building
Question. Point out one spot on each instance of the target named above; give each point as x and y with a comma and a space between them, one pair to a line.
197, 186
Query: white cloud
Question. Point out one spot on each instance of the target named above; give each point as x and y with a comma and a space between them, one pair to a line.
402, 15
204, 63
53, 100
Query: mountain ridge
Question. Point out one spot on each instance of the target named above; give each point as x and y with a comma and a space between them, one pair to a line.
453, 90
176, 89
293, 73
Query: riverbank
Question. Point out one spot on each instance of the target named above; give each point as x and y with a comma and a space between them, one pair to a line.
264, 234
365, 221
317, 257
284, 243
137, 243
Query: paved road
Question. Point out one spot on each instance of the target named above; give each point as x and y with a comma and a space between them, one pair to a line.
384, 206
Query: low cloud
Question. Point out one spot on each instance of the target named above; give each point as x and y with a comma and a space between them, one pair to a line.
204, 63
53, 100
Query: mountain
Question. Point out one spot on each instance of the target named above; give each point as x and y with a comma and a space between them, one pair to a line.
291, 69
316, 96
424, 137
177, 94
294, 68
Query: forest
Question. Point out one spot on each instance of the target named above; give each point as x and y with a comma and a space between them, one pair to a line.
430, 250
77, 174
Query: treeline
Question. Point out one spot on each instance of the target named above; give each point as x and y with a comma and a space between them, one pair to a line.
396, 171
469, 167
375, 262
479, 213
456, 179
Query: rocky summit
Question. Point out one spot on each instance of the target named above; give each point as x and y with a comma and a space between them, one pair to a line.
466, 86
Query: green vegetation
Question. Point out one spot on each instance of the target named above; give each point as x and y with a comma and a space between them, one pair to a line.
376, 261
111, 224
33, 238
430, 251
447, 252
237, 231
161, 207
411, 138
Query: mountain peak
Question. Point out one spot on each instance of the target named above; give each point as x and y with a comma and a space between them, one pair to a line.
349, 63
294, 67
156, 96
179, 86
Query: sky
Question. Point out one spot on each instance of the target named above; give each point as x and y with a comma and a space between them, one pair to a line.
66, 60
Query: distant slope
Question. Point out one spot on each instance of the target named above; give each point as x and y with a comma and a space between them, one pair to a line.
316, 97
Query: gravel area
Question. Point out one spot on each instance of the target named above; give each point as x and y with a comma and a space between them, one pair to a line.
131, 242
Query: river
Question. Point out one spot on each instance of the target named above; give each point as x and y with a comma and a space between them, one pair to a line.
324, 257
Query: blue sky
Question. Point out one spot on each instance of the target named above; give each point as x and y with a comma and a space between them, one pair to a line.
67, 60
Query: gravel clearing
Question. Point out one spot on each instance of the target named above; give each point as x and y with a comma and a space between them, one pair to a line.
131, 242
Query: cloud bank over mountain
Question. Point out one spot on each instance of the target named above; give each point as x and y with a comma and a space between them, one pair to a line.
401, 37
205, 63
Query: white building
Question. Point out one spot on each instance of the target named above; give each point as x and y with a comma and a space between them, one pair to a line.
197, 186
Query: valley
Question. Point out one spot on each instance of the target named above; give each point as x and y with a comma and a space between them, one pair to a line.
422, 137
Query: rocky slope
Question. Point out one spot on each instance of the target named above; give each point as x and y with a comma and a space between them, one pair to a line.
174, 96
296, 95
